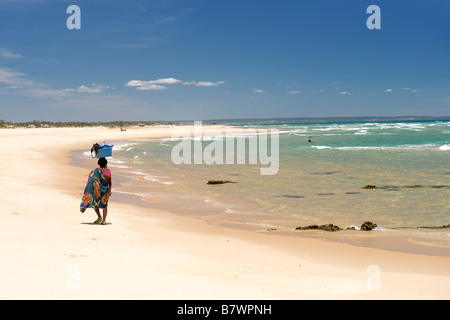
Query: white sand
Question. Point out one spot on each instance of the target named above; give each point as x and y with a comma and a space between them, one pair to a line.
49, 250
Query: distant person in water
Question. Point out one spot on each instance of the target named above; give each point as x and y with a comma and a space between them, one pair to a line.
98, 190
310, 140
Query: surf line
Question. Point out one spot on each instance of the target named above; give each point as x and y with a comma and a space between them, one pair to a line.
233, 147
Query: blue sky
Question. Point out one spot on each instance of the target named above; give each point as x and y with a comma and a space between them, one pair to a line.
213, 59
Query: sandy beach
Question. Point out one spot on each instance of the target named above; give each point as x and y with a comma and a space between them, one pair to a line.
49, 250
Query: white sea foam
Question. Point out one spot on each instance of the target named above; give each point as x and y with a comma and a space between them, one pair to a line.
139, 173
363, 128
120, 167
120, 147
445, 147
125, 192
148, 177
400, 147
157, 179
112, 160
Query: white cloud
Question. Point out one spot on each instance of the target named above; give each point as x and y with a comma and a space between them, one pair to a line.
258, 91
294, 92
204, 83
135, 83
164, 81
388, 90
344, 93
94, 88
24, 86
200, 83
63, 93
412, 90
162, 84
15, 79
44, 93
152, 87
152, 84
5, 53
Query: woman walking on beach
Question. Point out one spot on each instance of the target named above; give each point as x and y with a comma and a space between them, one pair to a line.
97, 191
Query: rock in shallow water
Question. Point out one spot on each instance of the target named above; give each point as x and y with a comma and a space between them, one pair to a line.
367, 226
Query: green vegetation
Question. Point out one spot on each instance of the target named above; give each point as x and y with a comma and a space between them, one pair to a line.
59, 124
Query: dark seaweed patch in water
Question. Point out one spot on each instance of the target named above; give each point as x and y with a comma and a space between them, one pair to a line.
291, 196
328, 172
353, 193
326, 194
389, 188
396, 188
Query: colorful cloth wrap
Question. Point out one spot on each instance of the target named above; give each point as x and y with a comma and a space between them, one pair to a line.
97, 193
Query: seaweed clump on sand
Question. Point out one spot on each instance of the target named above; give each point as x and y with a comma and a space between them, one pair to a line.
368, 226
370, 186
325, 227
219, 181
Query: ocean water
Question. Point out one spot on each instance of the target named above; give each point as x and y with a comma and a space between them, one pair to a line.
317, 183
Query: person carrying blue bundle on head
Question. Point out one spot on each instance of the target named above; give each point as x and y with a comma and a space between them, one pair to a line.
98, 190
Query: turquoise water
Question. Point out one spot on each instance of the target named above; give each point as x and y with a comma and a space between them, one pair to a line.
316, 183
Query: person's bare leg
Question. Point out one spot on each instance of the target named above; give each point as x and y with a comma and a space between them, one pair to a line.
97, 211
105, 212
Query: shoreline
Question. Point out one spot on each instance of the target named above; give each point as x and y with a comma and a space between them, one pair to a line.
153, 254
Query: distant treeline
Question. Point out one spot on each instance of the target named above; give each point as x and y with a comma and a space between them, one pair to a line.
59, 124
272, 121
